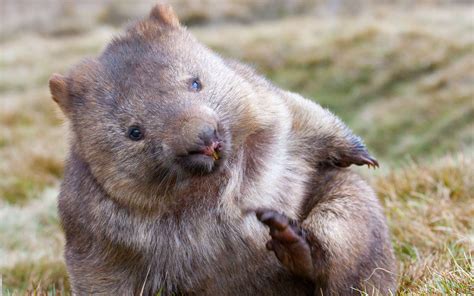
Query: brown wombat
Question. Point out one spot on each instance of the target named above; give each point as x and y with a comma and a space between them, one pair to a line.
181, 161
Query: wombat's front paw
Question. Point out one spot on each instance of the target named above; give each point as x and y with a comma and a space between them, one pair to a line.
288, 242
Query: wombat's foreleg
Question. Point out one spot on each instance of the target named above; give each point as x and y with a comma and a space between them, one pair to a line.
342, 245
289, 242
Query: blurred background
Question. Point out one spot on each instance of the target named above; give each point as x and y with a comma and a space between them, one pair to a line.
400, 73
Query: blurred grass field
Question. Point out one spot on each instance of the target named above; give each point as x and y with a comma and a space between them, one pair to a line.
402, 78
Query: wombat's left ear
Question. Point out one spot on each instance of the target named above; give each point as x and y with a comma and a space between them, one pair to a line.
59, 91
164, 14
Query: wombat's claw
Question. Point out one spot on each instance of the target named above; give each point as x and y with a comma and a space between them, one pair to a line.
362, 158
370, 162
288, 242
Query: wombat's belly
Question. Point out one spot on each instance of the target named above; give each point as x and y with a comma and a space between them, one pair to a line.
242, 268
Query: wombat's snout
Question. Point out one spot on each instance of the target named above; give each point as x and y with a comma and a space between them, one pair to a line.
206, 142
201, 142
209, 143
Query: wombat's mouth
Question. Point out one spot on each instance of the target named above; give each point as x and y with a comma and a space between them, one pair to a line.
213, 150
203, 160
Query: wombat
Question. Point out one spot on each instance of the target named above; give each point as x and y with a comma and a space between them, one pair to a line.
189, 173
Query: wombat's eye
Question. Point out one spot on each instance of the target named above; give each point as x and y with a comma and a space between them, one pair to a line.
135, 133
196, 85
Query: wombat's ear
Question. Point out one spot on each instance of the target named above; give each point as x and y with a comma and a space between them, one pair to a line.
59, 91
164, 14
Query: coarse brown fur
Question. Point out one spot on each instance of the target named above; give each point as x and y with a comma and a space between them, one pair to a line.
147, 215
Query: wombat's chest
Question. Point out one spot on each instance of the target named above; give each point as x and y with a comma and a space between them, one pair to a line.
227, 260
208, 255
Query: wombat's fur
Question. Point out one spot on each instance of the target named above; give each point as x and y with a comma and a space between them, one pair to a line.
177, 153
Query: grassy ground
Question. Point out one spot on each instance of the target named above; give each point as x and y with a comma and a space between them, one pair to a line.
403, 80
430, 209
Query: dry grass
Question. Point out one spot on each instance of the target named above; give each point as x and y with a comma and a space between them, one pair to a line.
401, 79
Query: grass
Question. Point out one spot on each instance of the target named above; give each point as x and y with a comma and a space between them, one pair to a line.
430, 208
32, 244
403, 80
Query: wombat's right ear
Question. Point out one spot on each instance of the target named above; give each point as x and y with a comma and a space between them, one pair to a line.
164, 14
60, 93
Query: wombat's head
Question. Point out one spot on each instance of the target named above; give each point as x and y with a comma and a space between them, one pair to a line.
155, 104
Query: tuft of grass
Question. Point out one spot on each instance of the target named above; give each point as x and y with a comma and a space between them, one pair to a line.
43, 277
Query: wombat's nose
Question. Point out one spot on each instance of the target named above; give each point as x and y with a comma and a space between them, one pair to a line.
208, 136
208, 143
199, 135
